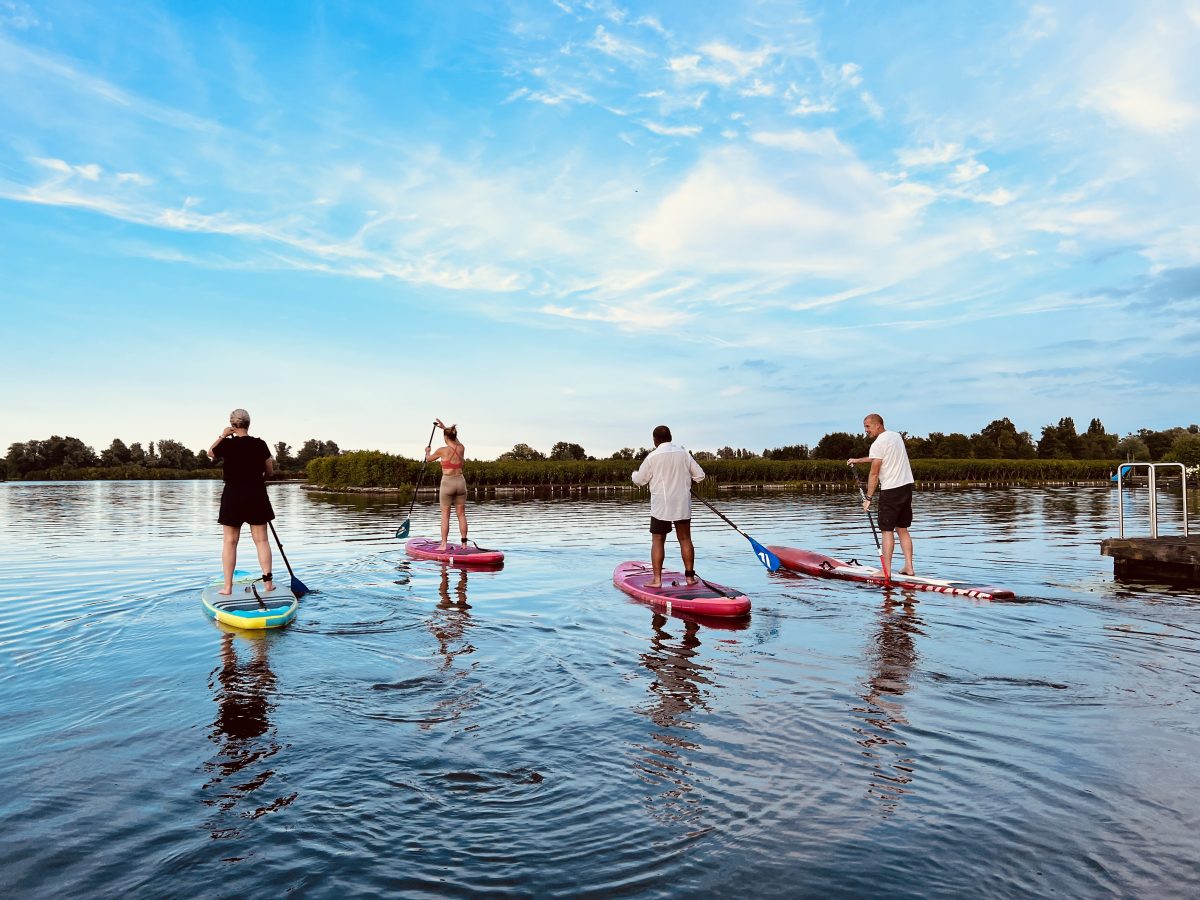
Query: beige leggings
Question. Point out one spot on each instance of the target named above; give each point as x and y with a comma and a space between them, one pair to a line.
451, 488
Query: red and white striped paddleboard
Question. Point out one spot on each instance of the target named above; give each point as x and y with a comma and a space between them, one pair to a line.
811, 563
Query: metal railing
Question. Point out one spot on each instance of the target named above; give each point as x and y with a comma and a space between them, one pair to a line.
1153, 467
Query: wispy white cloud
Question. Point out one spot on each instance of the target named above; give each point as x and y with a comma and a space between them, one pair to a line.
630, 317
673, 130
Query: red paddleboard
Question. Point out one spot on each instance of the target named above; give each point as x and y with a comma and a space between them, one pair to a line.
811, 563
454, 554
676, 595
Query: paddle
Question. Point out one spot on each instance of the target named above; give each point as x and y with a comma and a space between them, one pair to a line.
887, 576
406, 526
765, 556
298, 587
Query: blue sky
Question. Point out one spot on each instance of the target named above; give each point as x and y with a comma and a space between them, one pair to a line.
569, 220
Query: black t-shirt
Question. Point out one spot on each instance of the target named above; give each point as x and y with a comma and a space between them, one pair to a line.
244, 458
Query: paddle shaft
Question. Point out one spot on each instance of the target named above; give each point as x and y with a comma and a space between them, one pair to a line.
887, 576
421, 477
298, 586
720, 514
765, 556
863, 493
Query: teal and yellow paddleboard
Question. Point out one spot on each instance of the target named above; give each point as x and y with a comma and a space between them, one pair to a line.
249, 606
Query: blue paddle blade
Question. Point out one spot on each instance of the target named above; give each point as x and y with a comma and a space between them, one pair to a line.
299, 588
765, 556
403, 530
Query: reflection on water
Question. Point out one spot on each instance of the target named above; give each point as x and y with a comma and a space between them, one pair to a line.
680, 686
892, 656
242, 775
432, 731
450, 624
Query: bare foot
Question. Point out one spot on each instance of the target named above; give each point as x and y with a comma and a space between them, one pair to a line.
653, 584
225, 592
268, 586
442, 547
692, 581
907, 572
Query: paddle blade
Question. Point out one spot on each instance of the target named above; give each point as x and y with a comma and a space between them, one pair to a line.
403, 530
765, 556
299, 588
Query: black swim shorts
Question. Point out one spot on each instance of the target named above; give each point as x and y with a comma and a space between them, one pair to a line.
661, 526
245, 504
895, 508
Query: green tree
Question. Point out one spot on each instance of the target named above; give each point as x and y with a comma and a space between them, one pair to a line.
789, 451
1132, 447
174, 455
117, 454
841, 445
565, 450
1186, 449
522, 453
314, 449
283, 457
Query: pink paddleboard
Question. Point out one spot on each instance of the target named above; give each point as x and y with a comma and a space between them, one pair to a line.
702, 598
454, 554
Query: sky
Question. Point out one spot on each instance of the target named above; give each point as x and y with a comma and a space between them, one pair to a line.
573, 220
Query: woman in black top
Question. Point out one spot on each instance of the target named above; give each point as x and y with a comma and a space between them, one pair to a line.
247, 463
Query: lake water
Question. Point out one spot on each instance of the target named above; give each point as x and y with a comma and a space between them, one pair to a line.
532, 731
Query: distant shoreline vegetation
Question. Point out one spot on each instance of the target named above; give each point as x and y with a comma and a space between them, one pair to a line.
70, 459
365, 470
998, 453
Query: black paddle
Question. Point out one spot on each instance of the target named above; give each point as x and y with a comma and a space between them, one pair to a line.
298, 587
887, 576
765, 556
406, 526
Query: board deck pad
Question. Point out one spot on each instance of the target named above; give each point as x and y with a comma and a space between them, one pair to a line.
242, 609
454, 554
705, 597
811, 563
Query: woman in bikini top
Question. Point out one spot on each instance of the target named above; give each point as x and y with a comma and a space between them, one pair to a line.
453, 490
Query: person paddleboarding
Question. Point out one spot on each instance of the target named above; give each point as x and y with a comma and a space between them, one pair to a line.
892, 474
452, 492
247, 463
669, 470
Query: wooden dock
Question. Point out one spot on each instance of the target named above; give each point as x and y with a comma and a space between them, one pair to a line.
1175, 560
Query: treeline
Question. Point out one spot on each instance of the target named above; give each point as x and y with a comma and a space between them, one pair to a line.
999, 439
70, 458
371, 469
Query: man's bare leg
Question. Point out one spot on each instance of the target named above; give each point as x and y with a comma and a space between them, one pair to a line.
658, 552
263, 547
889, 545
687, 550
906, 545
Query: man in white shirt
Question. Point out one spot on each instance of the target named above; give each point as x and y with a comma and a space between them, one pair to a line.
670, 471
893, 475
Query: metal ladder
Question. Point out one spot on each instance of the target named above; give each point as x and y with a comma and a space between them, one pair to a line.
1153, 467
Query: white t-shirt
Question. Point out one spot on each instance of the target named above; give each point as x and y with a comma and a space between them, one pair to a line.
670, 471
895, 471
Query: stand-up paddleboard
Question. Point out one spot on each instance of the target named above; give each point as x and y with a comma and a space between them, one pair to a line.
454, 554
704, 598
248, 606
811, 563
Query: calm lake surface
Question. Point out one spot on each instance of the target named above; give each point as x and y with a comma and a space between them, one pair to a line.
532, 731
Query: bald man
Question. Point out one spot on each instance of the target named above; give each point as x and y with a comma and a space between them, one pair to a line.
892, 475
